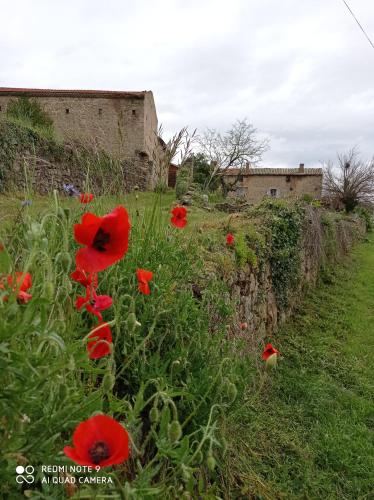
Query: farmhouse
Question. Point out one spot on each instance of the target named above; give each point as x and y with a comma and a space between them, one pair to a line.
124, 124
254, 184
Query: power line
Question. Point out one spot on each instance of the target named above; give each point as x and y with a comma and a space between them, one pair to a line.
357, 21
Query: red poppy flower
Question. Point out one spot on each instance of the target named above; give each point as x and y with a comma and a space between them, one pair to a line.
100, 440
243, 326
94, 303
179, 217
230, 239
84, 278
270, 355
22, 284
105, 238
143, 278
1, 247
100, 345
86, 197
269, 351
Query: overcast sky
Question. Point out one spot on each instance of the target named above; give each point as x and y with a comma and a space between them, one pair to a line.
300, 70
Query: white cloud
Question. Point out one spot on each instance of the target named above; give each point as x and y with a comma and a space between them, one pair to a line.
302, 72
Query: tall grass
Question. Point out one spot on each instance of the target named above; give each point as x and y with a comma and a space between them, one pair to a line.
168, 379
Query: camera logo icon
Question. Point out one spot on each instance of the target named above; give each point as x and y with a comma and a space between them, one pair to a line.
25, 474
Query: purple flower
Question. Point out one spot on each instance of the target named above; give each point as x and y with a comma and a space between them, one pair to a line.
70, 190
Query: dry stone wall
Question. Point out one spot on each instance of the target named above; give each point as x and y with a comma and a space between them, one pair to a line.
252, 287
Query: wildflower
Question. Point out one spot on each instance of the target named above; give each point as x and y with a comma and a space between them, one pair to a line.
1, 247
270, 355
70, 190
94, 303
143, 278
243, 326
86, 197
100, 440
230, 239
22, 284
105, 238
83, 278
100, 341
179, 217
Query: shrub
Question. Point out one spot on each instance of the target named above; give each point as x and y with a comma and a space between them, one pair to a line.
366, 216
30, 114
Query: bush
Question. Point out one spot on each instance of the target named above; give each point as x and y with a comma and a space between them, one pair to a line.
30, 114
366, 216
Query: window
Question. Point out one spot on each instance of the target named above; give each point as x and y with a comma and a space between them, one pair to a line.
134, 112
0, 108
67, 111
240, 178
288, 178
100, 111
273, 193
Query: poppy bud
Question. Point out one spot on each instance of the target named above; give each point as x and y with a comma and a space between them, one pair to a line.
64, 258
132, 322
211, 462
199, 457
44, 243
271, 362
174, 431
136, 197
186, 474
232, 392
49, 290
108, 382
154, 415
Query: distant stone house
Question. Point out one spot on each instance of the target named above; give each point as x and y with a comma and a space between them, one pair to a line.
124, 124
253, 184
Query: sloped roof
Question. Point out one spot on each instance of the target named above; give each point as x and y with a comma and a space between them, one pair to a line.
71, 93
273, 171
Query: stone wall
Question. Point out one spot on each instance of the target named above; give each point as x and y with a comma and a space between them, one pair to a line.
122, 124
252, 290
28, 161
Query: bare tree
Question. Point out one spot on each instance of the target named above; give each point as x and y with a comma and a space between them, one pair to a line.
351, 181
237, 148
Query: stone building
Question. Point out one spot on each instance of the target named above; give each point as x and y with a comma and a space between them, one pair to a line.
253, 184
124, 124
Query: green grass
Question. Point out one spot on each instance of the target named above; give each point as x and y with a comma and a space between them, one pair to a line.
309, 432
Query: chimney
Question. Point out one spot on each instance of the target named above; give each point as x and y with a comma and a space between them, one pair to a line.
301, 168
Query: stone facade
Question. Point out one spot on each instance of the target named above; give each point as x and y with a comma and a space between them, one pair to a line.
124, 124
256, 183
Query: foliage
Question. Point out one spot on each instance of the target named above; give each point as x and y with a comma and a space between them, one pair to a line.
243, 252
202, 172
170, 364
284, 224
29, 114
184, 179
366, 216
